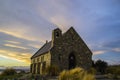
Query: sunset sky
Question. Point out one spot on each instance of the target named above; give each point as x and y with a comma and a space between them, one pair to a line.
25, 25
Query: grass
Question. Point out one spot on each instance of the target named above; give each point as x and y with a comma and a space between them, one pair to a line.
9, 73
76, 74
114, 72
10, 76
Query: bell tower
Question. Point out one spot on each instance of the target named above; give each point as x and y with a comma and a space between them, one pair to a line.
56, 36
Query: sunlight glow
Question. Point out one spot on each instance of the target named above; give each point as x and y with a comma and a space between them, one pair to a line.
22, 57
98, 52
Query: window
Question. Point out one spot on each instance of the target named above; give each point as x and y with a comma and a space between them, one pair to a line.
57, 34
41, 58
59, 57
37, 59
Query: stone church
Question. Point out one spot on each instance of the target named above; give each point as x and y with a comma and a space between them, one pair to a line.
66, 50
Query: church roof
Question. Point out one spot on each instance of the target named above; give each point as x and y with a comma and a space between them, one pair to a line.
45, 48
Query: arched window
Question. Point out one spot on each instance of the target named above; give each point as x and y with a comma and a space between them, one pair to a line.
72, 61
57, 34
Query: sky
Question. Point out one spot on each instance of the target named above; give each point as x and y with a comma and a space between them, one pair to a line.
25, 25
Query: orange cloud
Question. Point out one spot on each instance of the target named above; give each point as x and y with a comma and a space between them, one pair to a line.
9, 57
22, 57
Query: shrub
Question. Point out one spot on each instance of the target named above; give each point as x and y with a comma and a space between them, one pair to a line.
114, 70
76, 74
92, 71
101, 66
52, 70
8, 71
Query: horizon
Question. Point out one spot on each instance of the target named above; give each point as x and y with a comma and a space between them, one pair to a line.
26, 25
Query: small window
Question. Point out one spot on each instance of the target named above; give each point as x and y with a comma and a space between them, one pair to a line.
37, 59
59, 57
57, 34
41, 58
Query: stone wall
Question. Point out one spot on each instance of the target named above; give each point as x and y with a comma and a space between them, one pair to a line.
70, 42
39, 63
63, 46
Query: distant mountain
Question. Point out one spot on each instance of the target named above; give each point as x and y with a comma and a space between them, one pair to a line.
16, 67
2, 67
21, 67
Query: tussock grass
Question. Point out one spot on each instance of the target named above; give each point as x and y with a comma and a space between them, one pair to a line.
76, 74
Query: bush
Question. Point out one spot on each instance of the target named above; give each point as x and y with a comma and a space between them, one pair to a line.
92, 71
22, 72
8, 71
76, 74
101, 66
52, 70
113, 70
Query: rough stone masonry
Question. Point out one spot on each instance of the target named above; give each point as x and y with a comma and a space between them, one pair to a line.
65, 50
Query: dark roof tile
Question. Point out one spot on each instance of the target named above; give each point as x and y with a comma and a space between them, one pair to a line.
45, 48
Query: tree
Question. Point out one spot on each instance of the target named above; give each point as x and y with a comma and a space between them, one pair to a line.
93, 64
9, 71
101, 66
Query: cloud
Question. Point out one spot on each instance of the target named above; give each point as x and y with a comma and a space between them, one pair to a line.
30, 22
15, 46
19, 49
56, 12
34, 45
16, 51
113, 46
61, 22
22, 57
116, 50
13, 42
18, 34
18, 42
23, 21
106, 46
98, 52
9, 58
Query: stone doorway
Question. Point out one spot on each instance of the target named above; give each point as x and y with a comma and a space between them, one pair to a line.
72, 61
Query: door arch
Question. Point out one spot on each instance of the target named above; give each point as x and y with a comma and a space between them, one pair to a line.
72, 61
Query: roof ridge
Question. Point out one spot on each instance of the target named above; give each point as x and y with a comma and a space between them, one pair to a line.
69, 30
